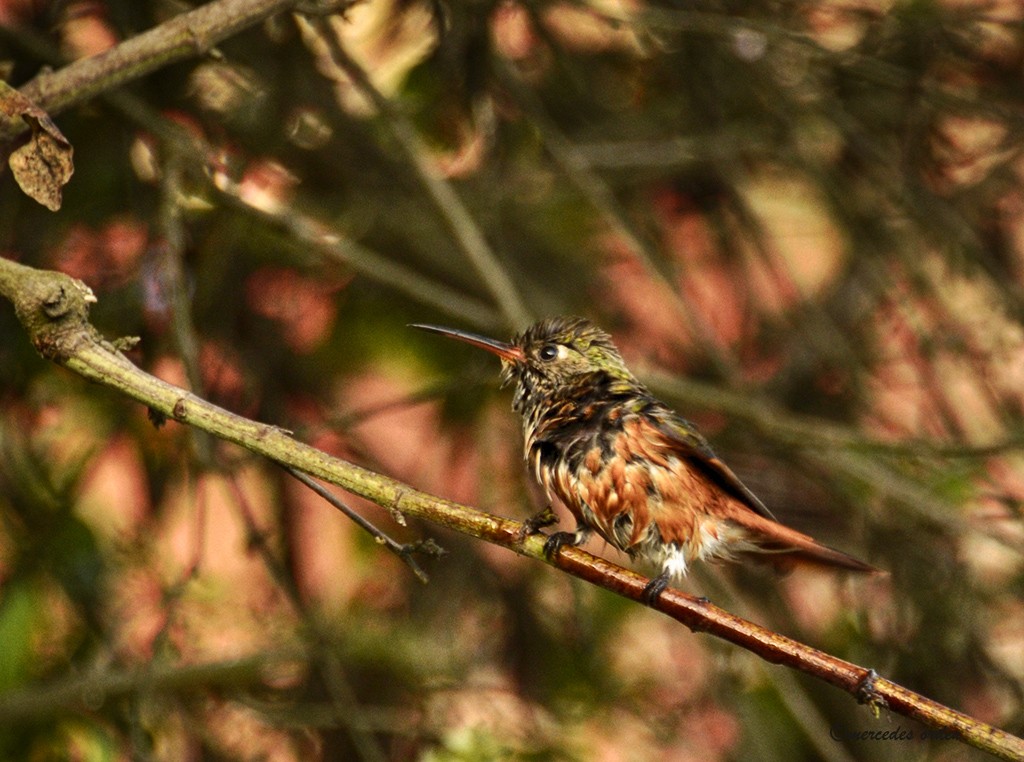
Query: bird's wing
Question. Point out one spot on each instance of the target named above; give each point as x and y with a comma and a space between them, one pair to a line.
688, 443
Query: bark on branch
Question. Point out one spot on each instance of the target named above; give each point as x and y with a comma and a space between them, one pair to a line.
53, 308
186, 35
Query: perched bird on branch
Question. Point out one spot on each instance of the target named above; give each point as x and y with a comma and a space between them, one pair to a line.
626, 465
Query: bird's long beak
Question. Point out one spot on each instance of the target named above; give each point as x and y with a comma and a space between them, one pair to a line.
504, 350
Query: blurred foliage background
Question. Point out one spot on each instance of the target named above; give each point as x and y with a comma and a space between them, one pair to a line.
803, 223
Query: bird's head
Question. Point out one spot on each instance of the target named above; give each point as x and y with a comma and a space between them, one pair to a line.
549, 355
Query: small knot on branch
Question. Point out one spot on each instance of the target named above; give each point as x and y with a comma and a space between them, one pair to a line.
867, 693
53, 308
425, 547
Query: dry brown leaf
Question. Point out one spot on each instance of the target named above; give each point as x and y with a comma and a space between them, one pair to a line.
41, 166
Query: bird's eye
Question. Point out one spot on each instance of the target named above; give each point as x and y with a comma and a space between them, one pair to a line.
548, 352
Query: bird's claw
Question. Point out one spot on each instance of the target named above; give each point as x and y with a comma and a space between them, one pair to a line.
653, 589
555, 542
537, 522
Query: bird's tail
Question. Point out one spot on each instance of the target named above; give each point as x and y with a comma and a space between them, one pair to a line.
784, 548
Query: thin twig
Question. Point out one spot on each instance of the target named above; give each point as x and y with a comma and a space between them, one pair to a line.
601, 198
870, 68
172, 280
460, 221
333, 246
404, 551
812, 433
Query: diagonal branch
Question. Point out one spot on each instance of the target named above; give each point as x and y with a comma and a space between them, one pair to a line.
468, 235
184, 36
53, 308
599, 195
404, 551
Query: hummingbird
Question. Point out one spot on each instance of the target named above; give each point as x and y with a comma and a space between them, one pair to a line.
626, 465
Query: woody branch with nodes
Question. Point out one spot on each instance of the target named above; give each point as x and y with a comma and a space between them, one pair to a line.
53, 309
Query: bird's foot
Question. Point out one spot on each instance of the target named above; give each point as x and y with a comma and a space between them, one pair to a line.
555, 542
654, 588
537, 522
